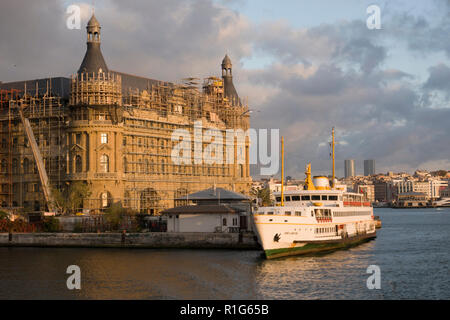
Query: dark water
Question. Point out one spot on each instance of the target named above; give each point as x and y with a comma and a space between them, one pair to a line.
412, 250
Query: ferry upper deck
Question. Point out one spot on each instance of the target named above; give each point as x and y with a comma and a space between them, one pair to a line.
329, 198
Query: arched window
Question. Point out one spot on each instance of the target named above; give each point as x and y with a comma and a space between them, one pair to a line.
15, 166
104, 199
140, 166
78, 164
4, 165
26, 165
125, 165
126, 199
104, 163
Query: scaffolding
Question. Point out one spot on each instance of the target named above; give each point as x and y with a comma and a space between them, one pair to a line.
46, 114
140, 173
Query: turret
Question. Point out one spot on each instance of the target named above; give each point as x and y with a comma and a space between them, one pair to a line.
93, 59
227, 76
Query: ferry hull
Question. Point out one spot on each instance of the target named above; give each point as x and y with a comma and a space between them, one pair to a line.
318, 246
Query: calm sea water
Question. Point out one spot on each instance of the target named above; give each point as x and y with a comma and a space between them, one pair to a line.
412, 250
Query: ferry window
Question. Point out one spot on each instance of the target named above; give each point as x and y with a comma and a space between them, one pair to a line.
324, 197
312, 213
298, 213
287, 213
278, 199
287, 198
295, 198
269, 212
333, 198
306, 198
315, 197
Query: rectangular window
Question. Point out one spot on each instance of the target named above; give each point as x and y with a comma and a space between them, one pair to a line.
104, 138
295, 198
287, 198
278, 199
304, 198
298, 213
78, 138
334, 198
287, 213
315, 197
324, 197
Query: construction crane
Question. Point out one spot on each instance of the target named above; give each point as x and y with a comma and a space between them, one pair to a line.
38, 158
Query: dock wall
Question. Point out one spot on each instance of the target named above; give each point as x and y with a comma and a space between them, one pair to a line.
132, 240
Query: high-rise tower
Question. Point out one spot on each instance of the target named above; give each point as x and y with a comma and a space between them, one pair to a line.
349, 168
369, 167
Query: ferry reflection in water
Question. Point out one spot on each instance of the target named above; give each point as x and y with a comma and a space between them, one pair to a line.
411, 250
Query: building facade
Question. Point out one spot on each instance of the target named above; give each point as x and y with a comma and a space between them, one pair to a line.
118, 133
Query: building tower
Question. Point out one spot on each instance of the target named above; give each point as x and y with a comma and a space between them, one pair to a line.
369, 167
349, 168
95, 130
93, 59
227, 76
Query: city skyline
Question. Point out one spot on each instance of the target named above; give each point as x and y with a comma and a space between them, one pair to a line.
393, 82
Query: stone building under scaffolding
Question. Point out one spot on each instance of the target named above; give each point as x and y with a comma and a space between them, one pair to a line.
113, 131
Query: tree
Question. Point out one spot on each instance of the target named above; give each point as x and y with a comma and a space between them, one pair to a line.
114, 215
70, 199
4, 215
263, 194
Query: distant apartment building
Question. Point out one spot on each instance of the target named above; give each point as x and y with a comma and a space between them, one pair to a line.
446, 192
349, 166
369, 167
404, 186
437, 188
422, 187
368, 190
381, 191
431, 188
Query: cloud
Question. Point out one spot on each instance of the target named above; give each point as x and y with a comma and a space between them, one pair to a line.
329, 75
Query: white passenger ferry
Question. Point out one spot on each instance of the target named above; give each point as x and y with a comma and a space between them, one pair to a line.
318, 218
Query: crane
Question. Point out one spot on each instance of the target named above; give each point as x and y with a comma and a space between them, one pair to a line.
38, 158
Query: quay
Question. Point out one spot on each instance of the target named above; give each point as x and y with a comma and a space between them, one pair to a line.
155, 240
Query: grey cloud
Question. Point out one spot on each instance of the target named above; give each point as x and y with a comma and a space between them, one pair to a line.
323, 76
439, 78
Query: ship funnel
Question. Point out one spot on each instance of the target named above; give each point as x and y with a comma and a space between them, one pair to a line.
321, 183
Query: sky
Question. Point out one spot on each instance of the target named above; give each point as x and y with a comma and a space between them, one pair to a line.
305, 66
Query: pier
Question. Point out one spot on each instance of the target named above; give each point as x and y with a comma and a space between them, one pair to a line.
155, 240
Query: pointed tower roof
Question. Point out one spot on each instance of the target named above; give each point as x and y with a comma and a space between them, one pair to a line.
93, 59
227, 75
226, 62
93, 22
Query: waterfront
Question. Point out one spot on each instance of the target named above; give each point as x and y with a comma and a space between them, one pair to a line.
412, 251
